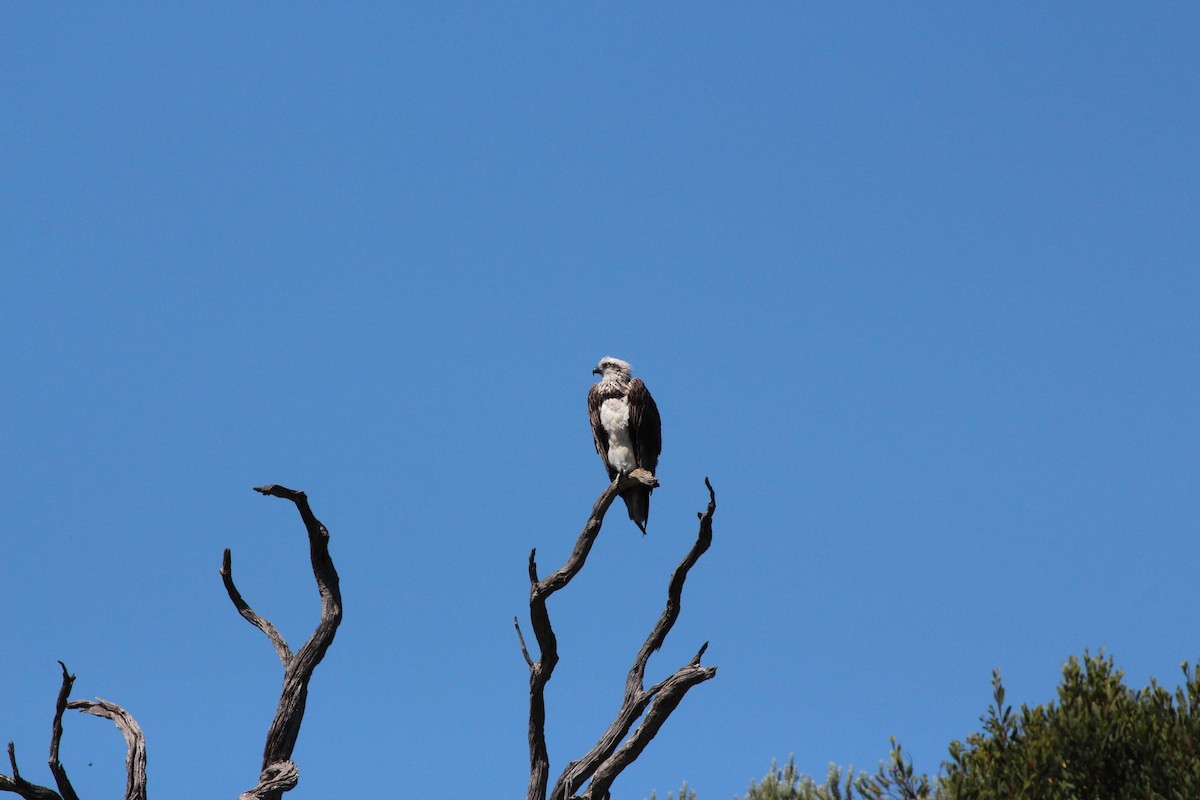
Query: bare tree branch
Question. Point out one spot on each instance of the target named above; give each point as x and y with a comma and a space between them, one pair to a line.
135, 742
583, 545
539, 592
521, 636
56, 768
604, 762
135, 760
281, 645
18, 785
279, 774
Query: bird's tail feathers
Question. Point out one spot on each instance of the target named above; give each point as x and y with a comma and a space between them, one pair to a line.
637, 503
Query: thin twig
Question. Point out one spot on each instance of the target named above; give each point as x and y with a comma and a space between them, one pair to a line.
521, 636
264, 625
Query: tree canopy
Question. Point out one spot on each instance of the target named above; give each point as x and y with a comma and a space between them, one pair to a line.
1098, 739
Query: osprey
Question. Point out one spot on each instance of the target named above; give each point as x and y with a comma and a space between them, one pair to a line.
627, 430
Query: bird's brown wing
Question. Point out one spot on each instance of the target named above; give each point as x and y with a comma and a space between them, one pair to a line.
645, 426
599, 435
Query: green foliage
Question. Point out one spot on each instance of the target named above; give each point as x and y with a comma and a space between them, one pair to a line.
684, 794
894, 780
789, 784
1100, 740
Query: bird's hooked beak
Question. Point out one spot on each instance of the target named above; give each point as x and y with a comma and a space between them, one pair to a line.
597, 371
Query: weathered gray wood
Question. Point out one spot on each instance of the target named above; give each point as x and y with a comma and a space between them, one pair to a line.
56, 768
281, 645
18, 785
279, 774
280, 777
605, 761
135, 742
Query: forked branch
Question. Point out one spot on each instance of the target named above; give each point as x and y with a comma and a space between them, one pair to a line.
539, 592
279, 774
18, 785
617, 748
135, 759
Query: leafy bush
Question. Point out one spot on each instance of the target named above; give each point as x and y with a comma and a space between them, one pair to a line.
684, 794
1099, 740
893, 781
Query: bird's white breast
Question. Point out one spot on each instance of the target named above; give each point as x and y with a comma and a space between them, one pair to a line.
614, 416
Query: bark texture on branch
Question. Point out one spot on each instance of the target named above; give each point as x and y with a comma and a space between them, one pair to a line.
279, 774
18, 785
279, 777
56, 768
135, 759
617, 748
135, 742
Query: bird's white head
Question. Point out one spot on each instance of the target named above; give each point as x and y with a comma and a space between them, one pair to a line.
613, 370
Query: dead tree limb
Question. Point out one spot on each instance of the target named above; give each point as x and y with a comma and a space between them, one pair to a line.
539, 592
609, 757
279, 774
18, 785
56, 768
135, 759
604, 762
135, 742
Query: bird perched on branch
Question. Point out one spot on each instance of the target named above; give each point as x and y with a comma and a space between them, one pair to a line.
627, 430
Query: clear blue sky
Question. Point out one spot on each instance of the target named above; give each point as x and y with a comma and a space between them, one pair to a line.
917, 286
